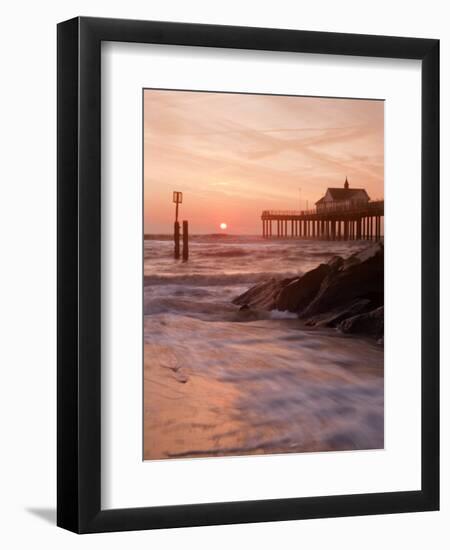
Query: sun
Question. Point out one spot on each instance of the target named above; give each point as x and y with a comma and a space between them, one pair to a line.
223, 226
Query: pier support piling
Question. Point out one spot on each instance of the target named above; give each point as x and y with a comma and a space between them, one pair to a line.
353, 223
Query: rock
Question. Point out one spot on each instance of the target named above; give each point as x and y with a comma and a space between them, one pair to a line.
371, 323
181, 377
263, 295
298, 293
360, 277
343, 289
333, 318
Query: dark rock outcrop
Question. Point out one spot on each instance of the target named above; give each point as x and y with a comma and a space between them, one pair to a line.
344, 293
359, 277
264, 295
298, 293
371, 323
334, 317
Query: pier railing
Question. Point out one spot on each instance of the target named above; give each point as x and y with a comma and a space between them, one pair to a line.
351, 208
350, 220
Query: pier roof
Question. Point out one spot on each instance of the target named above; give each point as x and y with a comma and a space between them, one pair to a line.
341, 194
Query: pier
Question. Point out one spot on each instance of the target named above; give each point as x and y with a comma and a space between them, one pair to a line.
336, 222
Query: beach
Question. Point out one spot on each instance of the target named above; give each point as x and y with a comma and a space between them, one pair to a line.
220, 380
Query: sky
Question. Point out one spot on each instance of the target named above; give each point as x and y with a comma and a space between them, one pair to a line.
235, 155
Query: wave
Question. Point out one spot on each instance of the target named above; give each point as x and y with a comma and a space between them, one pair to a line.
224, 237
217, 279
175, 305
227, 253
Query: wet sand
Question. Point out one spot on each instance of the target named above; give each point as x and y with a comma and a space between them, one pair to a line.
185, 413
257, 387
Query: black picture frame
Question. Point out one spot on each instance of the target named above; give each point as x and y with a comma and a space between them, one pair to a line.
79, 281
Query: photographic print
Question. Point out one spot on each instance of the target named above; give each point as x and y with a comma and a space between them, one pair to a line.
263, 274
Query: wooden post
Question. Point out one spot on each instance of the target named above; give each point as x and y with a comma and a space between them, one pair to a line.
176, 237
185, 241
177, 198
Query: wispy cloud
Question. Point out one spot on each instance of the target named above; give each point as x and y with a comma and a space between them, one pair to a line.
244, 153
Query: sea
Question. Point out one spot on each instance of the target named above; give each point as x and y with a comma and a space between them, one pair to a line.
300, 388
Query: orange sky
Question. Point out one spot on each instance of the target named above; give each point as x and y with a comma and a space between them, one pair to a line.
234, 155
